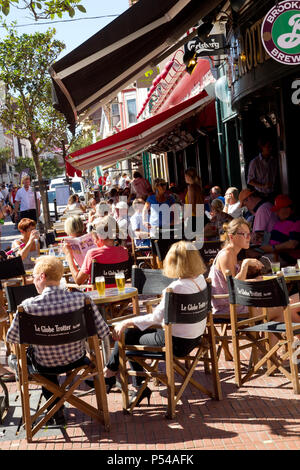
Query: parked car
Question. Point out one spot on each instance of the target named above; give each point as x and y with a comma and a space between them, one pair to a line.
78, 185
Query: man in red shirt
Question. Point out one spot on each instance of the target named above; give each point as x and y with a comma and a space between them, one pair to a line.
107, 253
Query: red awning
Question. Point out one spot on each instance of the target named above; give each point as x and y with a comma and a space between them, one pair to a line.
136, 138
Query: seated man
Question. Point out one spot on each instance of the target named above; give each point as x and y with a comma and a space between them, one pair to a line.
285, 236
54, 300
232, 203
264, 218
107, 253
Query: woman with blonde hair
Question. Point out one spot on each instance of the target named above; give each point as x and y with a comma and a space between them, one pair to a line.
185, 266
74, 226
237, 233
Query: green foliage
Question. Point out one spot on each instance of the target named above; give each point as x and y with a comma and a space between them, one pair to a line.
43, 9
50, 167
5, 154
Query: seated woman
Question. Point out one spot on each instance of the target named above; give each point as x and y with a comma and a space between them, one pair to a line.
238, 238
28, 244
214, 228
92, 208
107, 253
183, 262
74, 204
74, 226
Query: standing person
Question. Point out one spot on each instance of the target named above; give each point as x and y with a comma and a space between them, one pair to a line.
53, 300
102, 181
122, 181
232, 203
194, 195
2, 213
4, 191
140, 186
263, 169
25, 200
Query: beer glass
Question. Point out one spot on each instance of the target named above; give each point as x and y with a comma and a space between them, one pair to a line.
120, 281
100, 285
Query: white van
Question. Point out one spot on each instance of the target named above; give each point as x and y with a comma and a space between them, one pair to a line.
78, 185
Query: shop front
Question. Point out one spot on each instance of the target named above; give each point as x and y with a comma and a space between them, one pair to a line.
265, 94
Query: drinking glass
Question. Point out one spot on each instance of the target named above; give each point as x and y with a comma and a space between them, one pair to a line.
275, 267
120, 281
100, 285
298, 264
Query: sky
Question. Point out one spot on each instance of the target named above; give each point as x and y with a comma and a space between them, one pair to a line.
72, 33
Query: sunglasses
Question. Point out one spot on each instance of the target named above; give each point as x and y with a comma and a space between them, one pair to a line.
244, 234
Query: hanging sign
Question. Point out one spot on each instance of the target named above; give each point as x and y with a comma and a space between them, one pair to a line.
280, 32
213, 45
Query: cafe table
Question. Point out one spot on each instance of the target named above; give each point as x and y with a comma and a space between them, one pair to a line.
112, 296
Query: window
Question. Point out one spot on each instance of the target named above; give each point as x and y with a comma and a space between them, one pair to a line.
115, 114
130, 107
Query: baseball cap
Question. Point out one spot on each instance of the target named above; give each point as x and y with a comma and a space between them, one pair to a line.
244, 194
280, 202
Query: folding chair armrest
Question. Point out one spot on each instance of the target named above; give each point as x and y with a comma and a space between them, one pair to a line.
151, 302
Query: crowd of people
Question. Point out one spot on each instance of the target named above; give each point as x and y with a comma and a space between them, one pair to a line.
252, 222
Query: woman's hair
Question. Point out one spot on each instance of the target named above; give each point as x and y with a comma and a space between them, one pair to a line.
192, 173
217, 205
25, 223
231, 228
158, 182
75, 225
51, 266
72, 199
183, 260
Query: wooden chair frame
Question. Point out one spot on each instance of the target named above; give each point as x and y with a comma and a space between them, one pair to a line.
255, 330
206, 351
64, 392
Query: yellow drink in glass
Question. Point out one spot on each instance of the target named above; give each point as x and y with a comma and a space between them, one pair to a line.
100, 285
120, 281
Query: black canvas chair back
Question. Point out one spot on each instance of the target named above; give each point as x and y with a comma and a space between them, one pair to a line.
12, 267
265, 294
16, 294
210, 250
56, 329
187, 308
50, 238
149, 281
109, 271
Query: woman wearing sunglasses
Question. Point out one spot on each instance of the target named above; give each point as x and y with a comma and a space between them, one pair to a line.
238, 235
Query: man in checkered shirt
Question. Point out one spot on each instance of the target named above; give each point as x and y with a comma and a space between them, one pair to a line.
54, 300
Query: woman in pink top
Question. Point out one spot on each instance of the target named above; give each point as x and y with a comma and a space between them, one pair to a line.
107, 253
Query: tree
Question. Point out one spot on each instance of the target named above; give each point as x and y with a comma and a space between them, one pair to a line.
5, 154
50, 167
28, 112
43, 9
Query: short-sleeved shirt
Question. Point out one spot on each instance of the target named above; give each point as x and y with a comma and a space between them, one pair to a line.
157, 216
26, 199
136, 222
235, 210
104, 255
285, 230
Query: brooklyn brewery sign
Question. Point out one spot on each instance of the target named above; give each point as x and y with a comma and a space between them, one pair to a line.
280, 32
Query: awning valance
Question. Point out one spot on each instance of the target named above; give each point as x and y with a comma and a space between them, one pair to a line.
136, 138
93, 73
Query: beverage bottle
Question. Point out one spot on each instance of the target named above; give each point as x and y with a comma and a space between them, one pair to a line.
51, 251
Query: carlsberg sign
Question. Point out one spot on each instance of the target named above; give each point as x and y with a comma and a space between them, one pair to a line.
280, 32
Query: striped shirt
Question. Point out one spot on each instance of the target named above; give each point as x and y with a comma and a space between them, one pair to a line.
55, 301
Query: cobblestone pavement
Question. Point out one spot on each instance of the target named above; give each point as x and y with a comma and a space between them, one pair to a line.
264, 414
